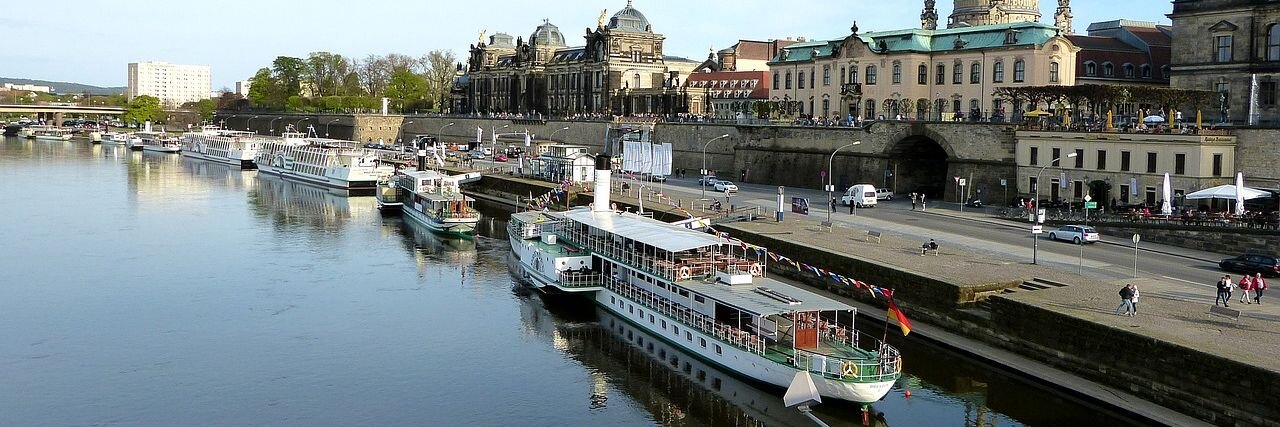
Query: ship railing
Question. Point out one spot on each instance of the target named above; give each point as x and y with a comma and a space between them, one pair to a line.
706, 324
580, 280
648, 264
884, 364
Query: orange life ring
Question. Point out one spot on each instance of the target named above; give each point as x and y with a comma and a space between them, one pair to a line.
755, 269
898, 364
848, 369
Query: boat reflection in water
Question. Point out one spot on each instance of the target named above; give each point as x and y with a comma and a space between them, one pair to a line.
431, 249
673, 385
217, 173
292, 203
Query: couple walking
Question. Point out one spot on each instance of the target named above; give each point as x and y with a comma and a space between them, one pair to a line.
1253, 284
1128, 300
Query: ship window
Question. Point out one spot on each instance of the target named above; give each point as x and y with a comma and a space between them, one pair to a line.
698, 299
664, 324
688, 336
641, 313
702, 341
650, 318
612, 301
675, 329
631, 308
718, 350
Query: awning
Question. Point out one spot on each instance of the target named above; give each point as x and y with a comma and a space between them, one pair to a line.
661, 235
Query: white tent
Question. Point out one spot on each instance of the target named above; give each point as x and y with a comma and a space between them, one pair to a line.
1240, 189
1227, 192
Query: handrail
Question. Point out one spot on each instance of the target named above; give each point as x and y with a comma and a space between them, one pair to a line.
707, 325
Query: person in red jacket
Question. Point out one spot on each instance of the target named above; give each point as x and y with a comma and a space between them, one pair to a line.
1246, 285
1258, 285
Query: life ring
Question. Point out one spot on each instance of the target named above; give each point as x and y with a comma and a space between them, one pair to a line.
613, 206
755, 269
898, 364
848, 369
684, 273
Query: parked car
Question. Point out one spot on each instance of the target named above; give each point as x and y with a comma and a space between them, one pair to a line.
1075, 234
500, 157
657, 178
476, 154
884, 194
725, 187
707, 180
1268, 265
862, 194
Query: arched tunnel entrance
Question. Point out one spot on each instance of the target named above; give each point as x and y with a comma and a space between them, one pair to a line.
921, 166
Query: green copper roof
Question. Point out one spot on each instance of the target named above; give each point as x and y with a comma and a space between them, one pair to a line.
918, 40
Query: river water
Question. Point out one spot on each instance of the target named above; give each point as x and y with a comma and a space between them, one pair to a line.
149, 289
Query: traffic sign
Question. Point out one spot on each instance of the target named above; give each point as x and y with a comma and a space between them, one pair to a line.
962, 182
1136, 239
1087, 197
1090, 205
1037, 229
1003, 183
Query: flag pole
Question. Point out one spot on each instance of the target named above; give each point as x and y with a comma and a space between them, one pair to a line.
885, 339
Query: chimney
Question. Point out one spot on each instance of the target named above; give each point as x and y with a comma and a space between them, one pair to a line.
604, 167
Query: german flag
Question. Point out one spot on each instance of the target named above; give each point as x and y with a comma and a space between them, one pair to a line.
896, 313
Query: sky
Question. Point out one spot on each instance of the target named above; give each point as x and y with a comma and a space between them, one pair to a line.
237, 37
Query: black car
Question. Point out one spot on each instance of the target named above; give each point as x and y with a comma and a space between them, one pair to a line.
1268, 265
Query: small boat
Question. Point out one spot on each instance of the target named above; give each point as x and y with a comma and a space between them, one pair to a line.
117, 138
95, 137
330, 163
231, 147
159, 142
387, 194
48, 133
435, 199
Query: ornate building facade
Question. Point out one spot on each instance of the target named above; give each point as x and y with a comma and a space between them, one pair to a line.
620, 69
1221, 46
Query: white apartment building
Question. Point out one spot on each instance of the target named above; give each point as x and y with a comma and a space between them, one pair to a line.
174, 84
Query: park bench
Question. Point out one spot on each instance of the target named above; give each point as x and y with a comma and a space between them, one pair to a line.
872, 234
1229, 313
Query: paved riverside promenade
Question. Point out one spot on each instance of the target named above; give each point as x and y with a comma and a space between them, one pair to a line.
1171, 353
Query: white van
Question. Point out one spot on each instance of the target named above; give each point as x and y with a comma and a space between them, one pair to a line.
862, 194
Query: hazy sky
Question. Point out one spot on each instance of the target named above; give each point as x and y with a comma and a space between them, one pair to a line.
91, 42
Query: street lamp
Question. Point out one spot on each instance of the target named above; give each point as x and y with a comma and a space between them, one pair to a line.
703, 179
1035, 215
248, 124
326, 126
557, 131
831, 187
272, 125
298, 126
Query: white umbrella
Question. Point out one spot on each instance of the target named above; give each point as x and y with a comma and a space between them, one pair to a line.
1227, 192
1239, 193
1165, 207
1153, 119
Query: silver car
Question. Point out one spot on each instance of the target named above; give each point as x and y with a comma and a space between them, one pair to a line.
1076, 234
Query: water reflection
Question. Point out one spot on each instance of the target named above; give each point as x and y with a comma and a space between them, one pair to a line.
431, 249
214, 173
288, 204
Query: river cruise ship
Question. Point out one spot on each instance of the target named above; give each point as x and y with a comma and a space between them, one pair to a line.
118, 138
48, 133
231, 147
435, 200
709, 295
330, 163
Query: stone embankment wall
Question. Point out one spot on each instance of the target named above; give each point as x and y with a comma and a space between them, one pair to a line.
1221, 240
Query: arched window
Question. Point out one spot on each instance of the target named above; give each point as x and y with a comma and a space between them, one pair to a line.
1019, 71
941, 75
800, 81
1108, 70
635, 81
1128, 71
975, 73
1053, 72
922, 74
871, 74
871, 109
939, 107
955, 106
997, 72
1273, 42
957, 75
788, 81
1090, 68
853, 74
897, 73
975, 108
1146, 71
775, 81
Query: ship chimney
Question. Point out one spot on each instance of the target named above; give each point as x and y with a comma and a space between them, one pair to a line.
422, 159
604, 167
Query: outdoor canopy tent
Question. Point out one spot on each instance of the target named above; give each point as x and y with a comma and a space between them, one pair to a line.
1228, 192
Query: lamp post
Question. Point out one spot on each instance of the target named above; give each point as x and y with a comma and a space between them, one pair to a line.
493, 135
1035, 215
298, 126
326, 126
248, 124
703, 179
831, 186
439, 136
557, 131
272, 125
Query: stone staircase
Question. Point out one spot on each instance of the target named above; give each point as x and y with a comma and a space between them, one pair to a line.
1035, 284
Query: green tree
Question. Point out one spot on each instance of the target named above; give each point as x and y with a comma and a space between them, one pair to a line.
288, 72
439, 69
203, 108
262, 89
143, 108
406, 88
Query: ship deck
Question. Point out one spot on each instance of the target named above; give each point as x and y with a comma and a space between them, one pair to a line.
559, 249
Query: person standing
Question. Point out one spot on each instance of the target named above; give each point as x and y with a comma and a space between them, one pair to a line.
922, 204
1126, 300
913, 201
1134, 301
1258, 285
851, 206
1224, 291
1246, 285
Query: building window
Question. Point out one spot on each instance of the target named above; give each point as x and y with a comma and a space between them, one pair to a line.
826, 75
1223, 48
775, 81
842, 75
1053, 72
1079, 158
812, 75
826, 107
941, 75
1035, 156
1224, 94
853, 74
922, 76
1124, 193
1019, 70
1078, 189
1056, 155
1151, 196
1108, 70
1217, 164
871, 74
1179, 164
975, 73
1031, 185
897, 74
997, 72
1267, 93
1102, 160
997, 107
1128, 71
800, 81
1124, 161
1090, 68
788, 80
956, 73
1273, 42
871, 109
1151, 162
1146, 71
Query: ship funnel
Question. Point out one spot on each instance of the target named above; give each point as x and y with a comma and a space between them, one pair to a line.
604, 167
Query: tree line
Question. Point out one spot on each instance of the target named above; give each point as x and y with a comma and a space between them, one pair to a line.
328, 82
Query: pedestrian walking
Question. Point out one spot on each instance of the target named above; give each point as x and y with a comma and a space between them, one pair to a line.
1134, 301
922, 204
1246, 285
1258, 285
1126, 300
851, 207
1224, 291
913, 201
833, 204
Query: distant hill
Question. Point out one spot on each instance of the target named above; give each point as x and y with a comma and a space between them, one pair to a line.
67, 87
